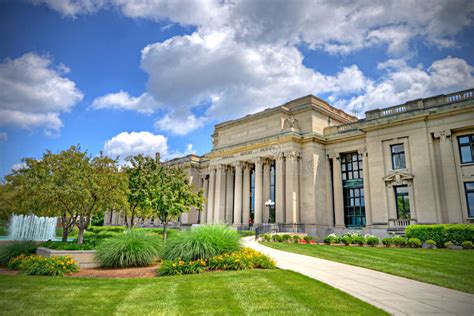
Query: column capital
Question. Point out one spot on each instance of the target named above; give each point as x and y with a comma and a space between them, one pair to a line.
279, 156
258, 160
292, 154
443, 135
362, 151
333, 155
238, 164
211, 169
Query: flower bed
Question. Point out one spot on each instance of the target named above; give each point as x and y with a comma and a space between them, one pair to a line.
242, 260
38, 265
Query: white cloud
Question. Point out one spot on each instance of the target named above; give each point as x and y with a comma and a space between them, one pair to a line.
17, 166
3, 137
34, 94
123, 101
179, 125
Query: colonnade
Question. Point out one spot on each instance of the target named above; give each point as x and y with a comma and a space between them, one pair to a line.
227, 188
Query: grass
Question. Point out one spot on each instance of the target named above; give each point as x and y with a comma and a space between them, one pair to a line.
448, 268
267, 292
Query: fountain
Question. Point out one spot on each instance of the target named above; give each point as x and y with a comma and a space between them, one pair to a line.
31, 227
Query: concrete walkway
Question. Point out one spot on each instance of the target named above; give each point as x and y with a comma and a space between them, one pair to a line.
396, 295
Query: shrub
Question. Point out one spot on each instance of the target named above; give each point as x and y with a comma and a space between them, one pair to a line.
132, 249
98, 229
387, 242
296, 238
14, 249
245, 233
399, 241
414, 243
331, 239
431, 244
278, 238
372, 240
58, 245
308, 239
286, 237
358, 240
37, 265
202, 242
441, 233
241, 260
448, 244
466, 245
267, 237
346, 240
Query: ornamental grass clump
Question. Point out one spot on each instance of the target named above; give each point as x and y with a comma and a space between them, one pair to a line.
202, 242
14, 249
131, 249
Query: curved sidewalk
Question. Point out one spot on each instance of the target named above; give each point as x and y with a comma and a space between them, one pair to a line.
396, 295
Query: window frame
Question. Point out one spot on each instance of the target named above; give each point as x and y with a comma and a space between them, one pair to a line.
470, 213
404, 194
398, 154
470, 145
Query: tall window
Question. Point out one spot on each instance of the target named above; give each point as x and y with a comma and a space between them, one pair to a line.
252, 194
403, 202
353, 189
398, 156
271, 218
466, 148
469, 188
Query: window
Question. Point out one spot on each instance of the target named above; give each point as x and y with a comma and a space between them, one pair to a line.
353, 189
466, 148
403, 202
398, 156
469, 188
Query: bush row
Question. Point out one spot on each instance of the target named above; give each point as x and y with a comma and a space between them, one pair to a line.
242, 260
38, 265
287, 238
442, 233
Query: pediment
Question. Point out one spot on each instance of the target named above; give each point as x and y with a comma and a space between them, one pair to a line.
398, 178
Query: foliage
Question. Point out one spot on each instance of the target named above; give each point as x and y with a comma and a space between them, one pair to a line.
267, 237
358, 240
201, 242
38, 265
98, 229
372, 240
399, 241
285, 237
414, 243
308, 238
441, 233
59, 245
431, 244
70, 184
97, 219
245, 233
242, 260
13, 249
448, 244
346, 240
331, 239
296, 238
131, 249
466, 245
387, 242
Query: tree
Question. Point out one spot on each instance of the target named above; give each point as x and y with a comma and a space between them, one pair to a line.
168, 192
69, 184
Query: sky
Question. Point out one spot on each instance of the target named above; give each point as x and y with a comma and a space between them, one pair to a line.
140, 76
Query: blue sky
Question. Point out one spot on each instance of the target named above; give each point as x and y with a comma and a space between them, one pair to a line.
144, 76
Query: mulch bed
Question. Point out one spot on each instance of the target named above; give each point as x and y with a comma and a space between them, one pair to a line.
143, 272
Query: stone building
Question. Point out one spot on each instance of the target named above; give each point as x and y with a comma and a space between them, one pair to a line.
308, 163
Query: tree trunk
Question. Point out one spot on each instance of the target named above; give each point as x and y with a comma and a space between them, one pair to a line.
65, 234
82, 227
165, 233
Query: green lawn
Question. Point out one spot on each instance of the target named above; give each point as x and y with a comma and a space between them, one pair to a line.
448, 268
237, 292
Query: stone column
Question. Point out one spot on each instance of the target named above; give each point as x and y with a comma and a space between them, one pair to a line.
452, 206
238, 194
258, 191
210, 201
367, 200
338, 194
219, 199
229, 199
280, 189
292, 192
266, 190
246, 196
205, 187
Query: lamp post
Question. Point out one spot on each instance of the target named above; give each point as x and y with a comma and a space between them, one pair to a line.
270, 204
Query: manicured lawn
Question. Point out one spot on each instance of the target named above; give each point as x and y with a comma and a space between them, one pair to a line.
448, 268
239, 292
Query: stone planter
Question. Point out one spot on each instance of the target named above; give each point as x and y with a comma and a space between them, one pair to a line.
85, 258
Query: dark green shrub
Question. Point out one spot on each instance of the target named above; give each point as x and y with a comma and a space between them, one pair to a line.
131, 249
58, 245
414, 243
308, 239
279, 238
399, 241
466, 245
296, 238
449, 245
441, 233
14, 249
358, 240
286, 237
387, 242
346, 240
372, 241
431, 244
115, 229
202, 242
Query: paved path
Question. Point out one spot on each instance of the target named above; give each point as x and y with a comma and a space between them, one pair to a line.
396, 295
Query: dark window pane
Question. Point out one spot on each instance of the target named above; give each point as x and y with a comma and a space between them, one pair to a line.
469, 185
397, 149
470, 203
464, 140
466, 154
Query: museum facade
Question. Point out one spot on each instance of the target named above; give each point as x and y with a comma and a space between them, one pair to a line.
308, 163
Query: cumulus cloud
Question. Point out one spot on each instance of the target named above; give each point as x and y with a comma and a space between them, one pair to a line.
179, 125
123, 101
34, 93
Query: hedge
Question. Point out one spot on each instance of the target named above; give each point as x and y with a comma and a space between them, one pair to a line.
441, 233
